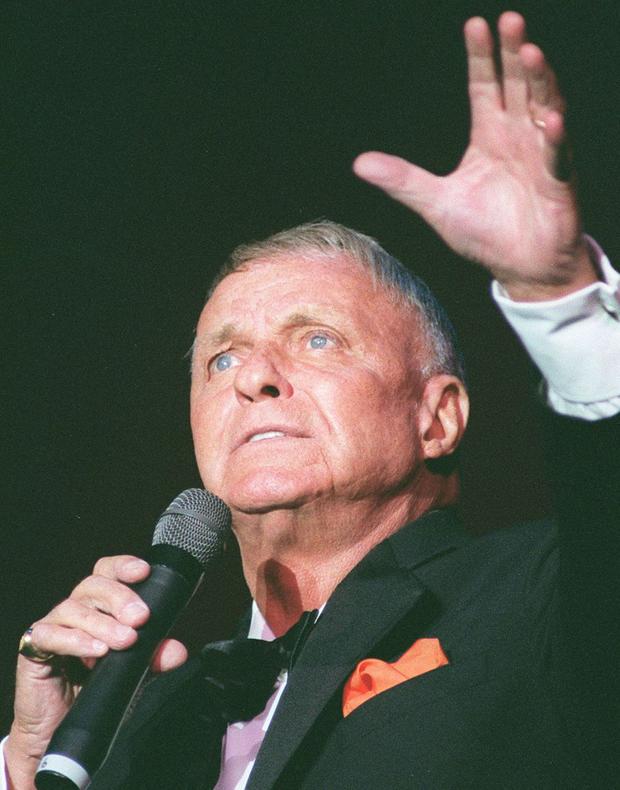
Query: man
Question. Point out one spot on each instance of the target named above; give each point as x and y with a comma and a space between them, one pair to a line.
327, 400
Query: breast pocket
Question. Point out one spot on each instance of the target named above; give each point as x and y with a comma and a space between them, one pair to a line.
441, 687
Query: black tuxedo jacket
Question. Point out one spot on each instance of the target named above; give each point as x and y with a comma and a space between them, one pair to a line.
528, 618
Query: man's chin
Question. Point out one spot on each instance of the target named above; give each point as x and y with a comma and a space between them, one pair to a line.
263, 492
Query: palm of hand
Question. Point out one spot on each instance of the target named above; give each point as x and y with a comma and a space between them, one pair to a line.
502, 208
505, 206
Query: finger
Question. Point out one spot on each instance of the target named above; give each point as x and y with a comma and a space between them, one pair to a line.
543, 87
484, 89
511, 28
407, 183
63, 641
113, 598
547, 109
169, 655
124, 568
72, 614
556, 150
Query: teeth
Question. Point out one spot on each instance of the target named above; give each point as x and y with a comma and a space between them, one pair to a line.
267, 435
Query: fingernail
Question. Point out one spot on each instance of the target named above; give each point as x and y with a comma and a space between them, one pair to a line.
98, 646
136, 566
134, 610
122, 631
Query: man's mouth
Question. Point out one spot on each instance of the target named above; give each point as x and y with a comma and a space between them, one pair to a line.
258, 437
261, 433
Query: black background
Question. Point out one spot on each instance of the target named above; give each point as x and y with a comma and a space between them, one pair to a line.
141, 142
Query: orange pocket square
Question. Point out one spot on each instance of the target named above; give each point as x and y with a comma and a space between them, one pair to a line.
371, 676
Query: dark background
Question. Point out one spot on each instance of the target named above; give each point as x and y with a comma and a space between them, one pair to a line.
141, 142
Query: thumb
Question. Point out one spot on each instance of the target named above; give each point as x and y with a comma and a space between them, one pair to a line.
169, 655
411, 185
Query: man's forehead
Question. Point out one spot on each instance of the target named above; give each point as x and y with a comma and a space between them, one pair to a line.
332, 265
316, 282
288, 290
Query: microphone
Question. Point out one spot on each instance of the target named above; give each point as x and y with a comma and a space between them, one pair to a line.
189, 535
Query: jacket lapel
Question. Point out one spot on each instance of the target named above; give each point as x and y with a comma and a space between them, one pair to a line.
380, 592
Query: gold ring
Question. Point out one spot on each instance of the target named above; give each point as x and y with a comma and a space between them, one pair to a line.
30, 650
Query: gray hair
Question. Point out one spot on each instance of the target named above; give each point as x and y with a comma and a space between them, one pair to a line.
329, 239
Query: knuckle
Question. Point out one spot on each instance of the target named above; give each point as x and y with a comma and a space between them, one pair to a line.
90, 621
98, 592
83, 588
106, 628
118, 596
122, 636
63, 612
37, 630
43, 636
104, 566
112, 597
77, 642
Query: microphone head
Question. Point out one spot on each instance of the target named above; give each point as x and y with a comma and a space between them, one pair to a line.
197, 522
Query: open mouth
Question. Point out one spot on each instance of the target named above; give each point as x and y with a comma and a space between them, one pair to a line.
267, 432
259, 437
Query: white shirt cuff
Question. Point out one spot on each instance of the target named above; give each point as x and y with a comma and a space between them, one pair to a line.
575, 342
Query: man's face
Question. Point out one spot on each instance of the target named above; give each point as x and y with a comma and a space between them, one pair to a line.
304, 386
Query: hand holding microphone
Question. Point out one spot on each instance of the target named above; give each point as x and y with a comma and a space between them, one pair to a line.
104, 618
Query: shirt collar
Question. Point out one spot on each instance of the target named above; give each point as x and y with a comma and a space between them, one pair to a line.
259, 627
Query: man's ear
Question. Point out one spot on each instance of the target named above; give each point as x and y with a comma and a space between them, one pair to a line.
442, 415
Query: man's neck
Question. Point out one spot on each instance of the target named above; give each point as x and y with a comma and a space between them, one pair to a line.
294, 559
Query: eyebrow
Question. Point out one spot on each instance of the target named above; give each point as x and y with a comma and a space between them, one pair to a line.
220, 337
303, 319
217, 338
227, 332
211, 340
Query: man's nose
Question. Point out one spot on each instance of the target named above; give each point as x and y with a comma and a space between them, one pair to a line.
260, 377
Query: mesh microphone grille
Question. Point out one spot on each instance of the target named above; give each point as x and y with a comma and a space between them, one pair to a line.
196, 521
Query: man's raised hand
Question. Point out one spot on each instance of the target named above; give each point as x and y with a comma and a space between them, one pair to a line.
509, 205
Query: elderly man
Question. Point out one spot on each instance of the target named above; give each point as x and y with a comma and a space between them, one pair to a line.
327, 400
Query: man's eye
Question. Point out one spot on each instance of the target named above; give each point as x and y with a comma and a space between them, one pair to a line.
223, 361
320, 340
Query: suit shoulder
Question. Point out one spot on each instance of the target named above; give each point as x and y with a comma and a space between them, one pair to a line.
508, 569
526, 553
518, 538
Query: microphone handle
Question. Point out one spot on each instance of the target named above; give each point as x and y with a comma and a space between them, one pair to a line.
83, 739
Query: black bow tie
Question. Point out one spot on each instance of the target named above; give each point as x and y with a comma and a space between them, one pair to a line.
240, 674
